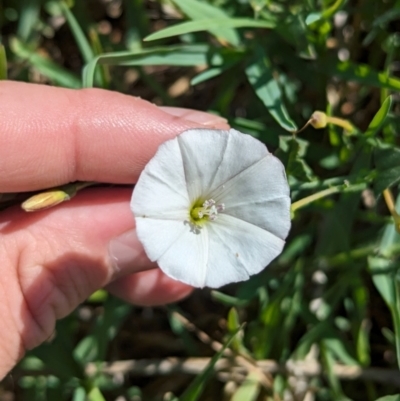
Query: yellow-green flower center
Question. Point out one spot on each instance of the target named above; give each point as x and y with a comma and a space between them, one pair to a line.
205, 210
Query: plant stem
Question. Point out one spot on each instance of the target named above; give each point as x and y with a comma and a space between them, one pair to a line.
312, 198
387, 195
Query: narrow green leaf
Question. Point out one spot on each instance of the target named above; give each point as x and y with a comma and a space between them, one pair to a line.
95, 395
45, 66
326, 14
206, 75
80, 37
313, 17
260, 75
28, 18
136, 23
64, 366
363, 74
189, 344
291, 152
387, 162
94, 346
249, 389
394, 397
197, 10
229, 300
328, 361
388, 283
87, 350
195, 389
79, 394
233, 321
298, 168
396, 317
313, 335
338, 347
207, 24
379, 119
181, 55
233, 324
3, 63
336, 235
215, 71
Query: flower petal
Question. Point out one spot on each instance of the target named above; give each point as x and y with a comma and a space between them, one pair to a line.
158, 235
226, 251
180, 251
212, 157
186, 259
238, 249
259, 195
161, 190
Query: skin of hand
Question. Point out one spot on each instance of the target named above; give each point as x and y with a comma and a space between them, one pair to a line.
54, 259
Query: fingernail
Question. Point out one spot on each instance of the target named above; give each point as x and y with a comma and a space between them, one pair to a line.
127, 255
199, 117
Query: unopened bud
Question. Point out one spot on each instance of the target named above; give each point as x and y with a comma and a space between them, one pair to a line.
318, 119
44, 200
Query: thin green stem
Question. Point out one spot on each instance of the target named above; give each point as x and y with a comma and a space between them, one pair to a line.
312, 198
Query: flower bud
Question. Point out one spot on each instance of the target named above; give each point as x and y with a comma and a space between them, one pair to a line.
45, 200
318, 119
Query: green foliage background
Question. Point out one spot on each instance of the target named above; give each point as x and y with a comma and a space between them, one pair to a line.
332, 299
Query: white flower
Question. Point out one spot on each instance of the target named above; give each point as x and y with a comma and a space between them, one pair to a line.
212, 207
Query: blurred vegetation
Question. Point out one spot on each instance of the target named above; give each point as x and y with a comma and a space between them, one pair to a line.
323, 321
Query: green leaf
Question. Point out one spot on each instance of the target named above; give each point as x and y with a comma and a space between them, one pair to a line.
207, 25
81, 40
249, 389
339, 349
380, 269
79, 394
260, 75
80, 37
195, 389
181, 55
379, 119
336, 234
233, 324
197, 10
387, 162
361, 73
388, 283
394, 397
313, 17
95, 395
28, 18
210, 73
291, 150
190, 345
64, 365
45, 66
229, 300
3, 63
136, 23
87, 350
312, 336
94, 346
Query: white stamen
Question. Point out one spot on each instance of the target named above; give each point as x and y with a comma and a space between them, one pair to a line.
211, 210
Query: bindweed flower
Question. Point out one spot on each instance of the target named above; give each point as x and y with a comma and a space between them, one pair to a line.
212, 207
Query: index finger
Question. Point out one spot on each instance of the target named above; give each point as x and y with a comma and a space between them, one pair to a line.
51, 136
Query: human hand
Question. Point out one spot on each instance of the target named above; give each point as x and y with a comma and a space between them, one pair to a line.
54, 259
